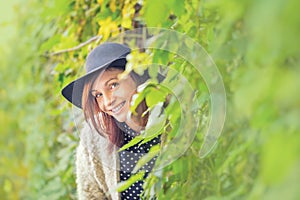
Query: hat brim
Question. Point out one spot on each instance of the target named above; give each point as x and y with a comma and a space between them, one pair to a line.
73, 91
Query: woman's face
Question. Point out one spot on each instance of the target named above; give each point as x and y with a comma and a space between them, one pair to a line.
113, 94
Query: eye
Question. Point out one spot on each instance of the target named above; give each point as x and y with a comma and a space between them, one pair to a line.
113, 85
96, 94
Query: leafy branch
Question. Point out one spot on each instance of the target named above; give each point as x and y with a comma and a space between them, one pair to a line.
92, 39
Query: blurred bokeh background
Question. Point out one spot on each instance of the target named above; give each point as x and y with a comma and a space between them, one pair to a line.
255, 44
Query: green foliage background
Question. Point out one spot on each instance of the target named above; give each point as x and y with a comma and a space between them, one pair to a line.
255, 44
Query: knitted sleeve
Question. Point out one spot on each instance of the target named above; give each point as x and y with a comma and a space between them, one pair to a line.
87, 187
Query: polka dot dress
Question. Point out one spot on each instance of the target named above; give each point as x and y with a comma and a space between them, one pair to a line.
128, 160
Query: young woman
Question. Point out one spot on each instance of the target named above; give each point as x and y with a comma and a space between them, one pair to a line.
105, 98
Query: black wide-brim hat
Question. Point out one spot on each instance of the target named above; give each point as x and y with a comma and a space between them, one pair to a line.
103, 56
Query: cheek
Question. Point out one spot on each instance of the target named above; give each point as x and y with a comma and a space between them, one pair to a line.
128, 94
100, 105
129, 90
125, 92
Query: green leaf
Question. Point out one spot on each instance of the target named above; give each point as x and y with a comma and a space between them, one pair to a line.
155, 96
155, 124
156, 12
136, 100
147, 157
133, 178
46, 46
178, 7
134, 141
153, 71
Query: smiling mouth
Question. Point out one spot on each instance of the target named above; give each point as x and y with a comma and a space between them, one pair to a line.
118, 108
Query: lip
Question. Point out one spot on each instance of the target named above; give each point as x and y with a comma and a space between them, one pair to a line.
118, 108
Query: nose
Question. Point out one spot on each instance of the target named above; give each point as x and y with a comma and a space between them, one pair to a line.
108, 99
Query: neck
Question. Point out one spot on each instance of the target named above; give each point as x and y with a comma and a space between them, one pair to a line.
138, 122
134, 125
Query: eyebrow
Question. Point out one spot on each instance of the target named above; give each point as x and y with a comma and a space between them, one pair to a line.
110, 80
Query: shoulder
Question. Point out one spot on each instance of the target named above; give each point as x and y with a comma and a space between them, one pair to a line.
91, 139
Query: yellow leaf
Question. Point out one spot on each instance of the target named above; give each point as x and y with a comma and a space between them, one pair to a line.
107, 28
100, 2
126, 23
113, 6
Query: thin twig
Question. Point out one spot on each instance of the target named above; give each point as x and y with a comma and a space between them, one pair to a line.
77, 47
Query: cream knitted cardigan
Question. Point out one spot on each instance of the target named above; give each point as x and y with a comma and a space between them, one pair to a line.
96, 169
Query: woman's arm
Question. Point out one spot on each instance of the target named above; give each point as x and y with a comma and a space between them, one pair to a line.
87, 187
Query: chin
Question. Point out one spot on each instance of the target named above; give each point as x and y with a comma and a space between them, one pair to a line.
120, 118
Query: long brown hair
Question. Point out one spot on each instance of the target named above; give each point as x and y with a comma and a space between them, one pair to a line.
103, 123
